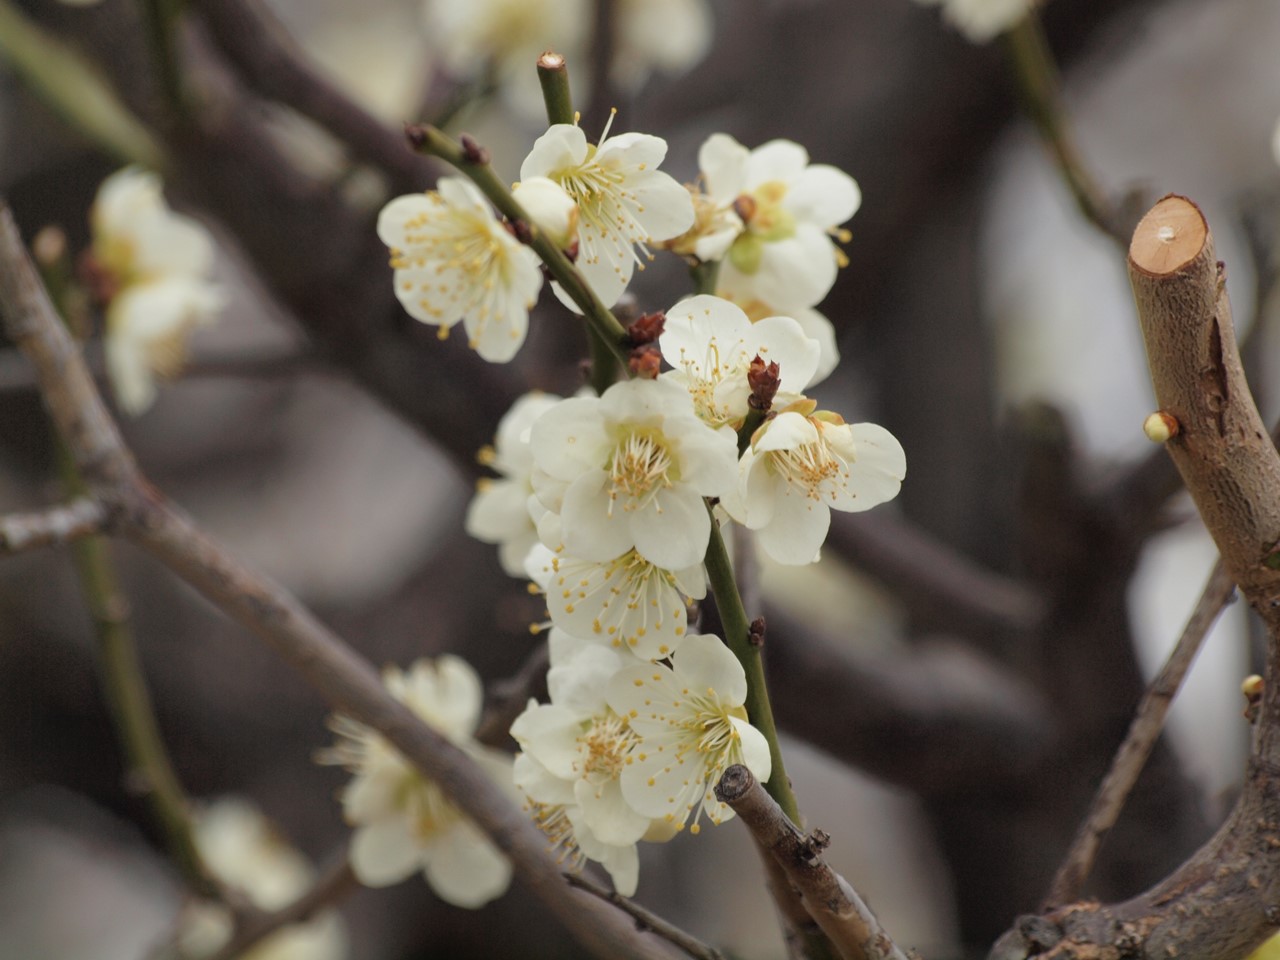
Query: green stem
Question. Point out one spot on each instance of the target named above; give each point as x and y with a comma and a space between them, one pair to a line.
553, 74
705, 274
75, 91
737, 630
148, 767
1040, 87
604, 366
600, 318
161, 18
750, 424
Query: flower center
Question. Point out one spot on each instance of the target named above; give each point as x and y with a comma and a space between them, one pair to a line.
429, 810
604, 747
554, 822
640, 466
809, 466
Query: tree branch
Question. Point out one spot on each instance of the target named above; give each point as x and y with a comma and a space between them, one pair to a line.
834, 905
940, 585
1220, 904
53, 526
1132, 755
647, 920
347, 682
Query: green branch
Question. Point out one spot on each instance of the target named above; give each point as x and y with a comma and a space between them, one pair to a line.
737, 635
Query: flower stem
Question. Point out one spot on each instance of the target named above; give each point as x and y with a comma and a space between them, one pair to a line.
553, 74
705, 273
431, 141
74, 90
737, 634
148, 768
1041, 89
161, 23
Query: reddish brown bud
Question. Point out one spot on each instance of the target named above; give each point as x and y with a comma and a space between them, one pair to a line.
646, 328
755, 634
764, 381
472, 152
745, 207
521, 230
645, 362
416, 135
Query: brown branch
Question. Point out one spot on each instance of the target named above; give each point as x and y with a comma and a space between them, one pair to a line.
1220, 904
347, 681
333, 884
1143, 733
508, 698
647, 920
53, 526
836, 906
250, 36
939, 584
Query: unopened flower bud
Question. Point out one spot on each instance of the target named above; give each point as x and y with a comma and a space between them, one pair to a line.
472, 152
646, 328
645, 362
1252, 686
49, 246
764, 381
1160, 427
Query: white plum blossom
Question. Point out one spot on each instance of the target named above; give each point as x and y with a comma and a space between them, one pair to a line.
815, 325
499, 513
624, 200
790, 210
239, 846
454, 261
629, 470
626, 603
982, 20
551, 208
801, 465
403, 822
576, 741
692, 725
710, 343
153, 265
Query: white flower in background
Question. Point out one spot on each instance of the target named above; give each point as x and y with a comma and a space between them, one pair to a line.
626, 602
982, 20
790, 210
454, 260
241, 849
691, 725
509, 34
799, 467
666, 36
624, 200
629, 470
710, 343
403, 822
499, 512
815, 325
154, 266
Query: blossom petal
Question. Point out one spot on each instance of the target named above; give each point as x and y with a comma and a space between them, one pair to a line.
798, 528
569, 438
675, 534
563, 145
703, 661
775, 160
607, 814
385, 852
823, 195
465, 869
595, 528
723, 162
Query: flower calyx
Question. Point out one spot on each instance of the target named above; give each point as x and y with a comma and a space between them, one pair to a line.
764, 380
646, 328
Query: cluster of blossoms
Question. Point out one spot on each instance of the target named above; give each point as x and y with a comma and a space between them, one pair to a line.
605, 501
240, 847
149, 266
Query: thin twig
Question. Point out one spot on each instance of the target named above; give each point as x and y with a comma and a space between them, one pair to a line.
1040, 86
252, 38
53, 526
647, 920
347, 682
1143, 733
333, 884
833, 903
508, 698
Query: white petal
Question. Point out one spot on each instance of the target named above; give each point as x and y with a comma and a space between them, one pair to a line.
607, 814
385, 852
798, 529
498, 512
538, 783
876, 474
675, 534
595, 527
723, 162
818, 327
465, 869
755, 750
776, 160
786, 431
569, 438
703, 662
563, 145
549, 733
823, 195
